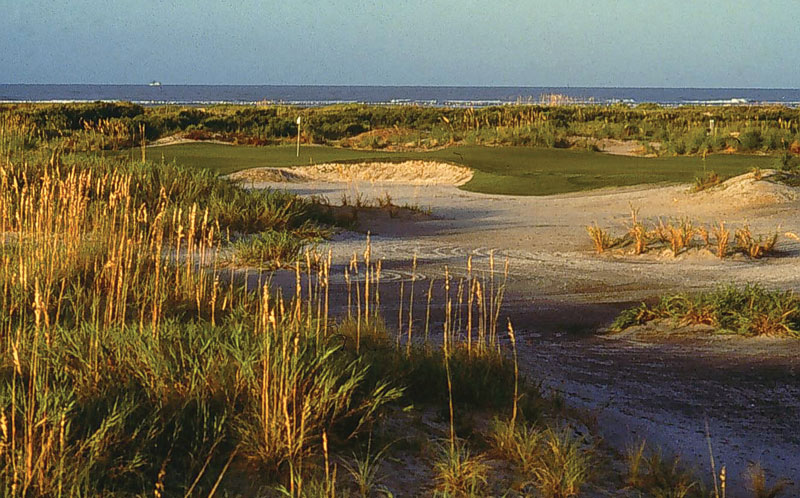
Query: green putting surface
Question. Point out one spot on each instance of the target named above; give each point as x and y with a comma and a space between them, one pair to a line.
498, 170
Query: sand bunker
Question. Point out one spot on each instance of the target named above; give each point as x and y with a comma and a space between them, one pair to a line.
747, 189
406, 172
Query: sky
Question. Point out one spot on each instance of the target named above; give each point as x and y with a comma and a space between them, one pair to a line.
609, 43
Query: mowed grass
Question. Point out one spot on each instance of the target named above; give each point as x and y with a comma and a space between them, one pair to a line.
537, 171
498, 170
226, 159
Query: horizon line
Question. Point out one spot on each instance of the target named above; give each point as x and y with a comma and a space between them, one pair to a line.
340, 85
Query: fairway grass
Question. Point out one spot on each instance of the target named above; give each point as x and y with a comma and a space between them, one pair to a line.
227, 159
498, 170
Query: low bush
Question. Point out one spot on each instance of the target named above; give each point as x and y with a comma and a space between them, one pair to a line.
750, 140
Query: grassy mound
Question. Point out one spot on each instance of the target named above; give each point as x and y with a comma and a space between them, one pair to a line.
748, 311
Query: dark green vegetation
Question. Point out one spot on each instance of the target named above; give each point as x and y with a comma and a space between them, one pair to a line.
498, 170
748, 311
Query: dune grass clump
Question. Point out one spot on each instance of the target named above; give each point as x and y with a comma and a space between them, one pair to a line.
269, 250
755, 247
519, 443
681, 235
705, 182
638, 233
365, 470
649, 472
722, 236
564, 464
458, 471
640, 236
678, 235
758, 485
635, 460
554, 461
601, 238
748, 311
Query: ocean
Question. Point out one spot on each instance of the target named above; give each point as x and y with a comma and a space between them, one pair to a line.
450, 96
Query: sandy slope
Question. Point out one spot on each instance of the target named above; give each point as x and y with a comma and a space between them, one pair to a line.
560, 293
405, 172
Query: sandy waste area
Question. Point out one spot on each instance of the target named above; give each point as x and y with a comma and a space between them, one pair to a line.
561, 295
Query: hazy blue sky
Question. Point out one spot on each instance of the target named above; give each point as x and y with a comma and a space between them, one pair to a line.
705, 43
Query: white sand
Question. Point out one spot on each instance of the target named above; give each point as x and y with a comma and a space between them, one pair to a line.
406, 172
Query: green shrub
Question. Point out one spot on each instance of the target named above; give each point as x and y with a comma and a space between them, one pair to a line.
750, 140
787, 162
678, 146
697, 141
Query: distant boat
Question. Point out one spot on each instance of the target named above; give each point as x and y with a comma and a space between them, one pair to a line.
154, 83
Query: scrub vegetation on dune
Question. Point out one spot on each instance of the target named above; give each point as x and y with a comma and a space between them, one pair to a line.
682, 130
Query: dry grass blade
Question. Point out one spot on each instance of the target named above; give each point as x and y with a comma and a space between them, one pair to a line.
755, 247
680, 235
722, 236
638, 233
634, 457
756, 482
601, 239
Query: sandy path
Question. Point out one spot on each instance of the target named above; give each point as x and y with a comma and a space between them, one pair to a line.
560, 293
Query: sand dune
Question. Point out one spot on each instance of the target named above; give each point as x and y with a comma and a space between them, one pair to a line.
406, 172
749, 189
